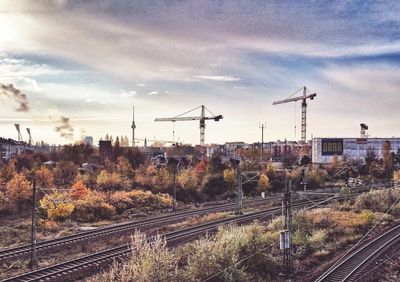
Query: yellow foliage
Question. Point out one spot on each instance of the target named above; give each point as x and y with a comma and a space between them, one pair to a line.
108, 180
92, 207
230, 178
57, 205
187, 179
123, 200
263, 183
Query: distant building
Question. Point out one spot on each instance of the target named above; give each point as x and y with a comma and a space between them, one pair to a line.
105, 149
213, 148
88, 140
324, 149
10, 147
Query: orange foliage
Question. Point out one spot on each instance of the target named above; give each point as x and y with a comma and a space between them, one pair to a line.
18, 189
44, 177
78, 190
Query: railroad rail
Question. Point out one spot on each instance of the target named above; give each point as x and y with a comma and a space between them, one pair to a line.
90, 264
45, 245
349, 267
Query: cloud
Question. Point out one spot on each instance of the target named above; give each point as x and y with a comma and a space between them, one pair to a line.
62, 125
218, 77
153, 93
128, 94
16, 95
141, 84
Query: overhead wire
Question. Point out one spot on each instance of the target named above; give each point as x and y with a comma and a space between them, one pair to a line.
369, 231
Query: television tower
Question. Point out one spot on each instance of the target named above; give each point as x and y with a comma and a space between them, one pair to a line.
133, 126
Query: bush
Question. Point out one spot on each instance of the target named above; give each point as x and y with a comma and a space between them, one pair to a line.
92, 208
56, 206
213, 185
123, 200
377, 200
151, 260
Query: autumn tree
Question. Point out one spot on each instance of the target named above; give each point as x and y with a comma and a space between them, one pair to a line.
230, 178
78, 190
65, 173
18, 191
44, 177
263, 183
200, 170
163, 180
187, 179
108, 180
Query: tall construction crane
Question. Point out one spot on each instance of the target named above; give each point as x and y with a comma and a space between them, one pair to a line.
304, 98
202, 118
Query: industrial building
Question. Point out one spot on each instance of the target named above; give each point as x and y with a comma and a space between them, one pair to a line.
324, 149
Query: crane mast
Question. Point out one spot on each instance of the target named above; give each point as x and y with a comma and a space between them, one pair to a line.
202, 118
303, 99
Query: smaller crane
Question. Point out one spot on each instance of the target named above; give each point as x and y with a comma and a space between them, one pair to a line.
202, 118
304, 98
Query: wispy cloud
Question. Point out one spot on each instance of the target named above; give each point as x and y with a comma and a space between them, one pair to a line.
218, 77
128, 94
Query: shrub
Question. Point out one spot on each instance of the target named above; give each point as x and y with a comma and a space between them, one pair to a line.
92, 207
56, 206
377, 200
151, 260
79, 190
213, 185
109, 181
123, 200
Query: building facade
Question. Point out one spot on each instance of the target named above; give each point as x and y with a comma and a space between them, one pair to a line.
324, 149
10, 148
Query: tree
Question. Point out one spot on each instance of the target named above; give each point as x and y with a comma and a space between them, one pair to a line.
200, 170
213, 185
215, 165
65, 173
163, 180
187, 179
387, 159
18, 190
44, 177
79, 190
108, 180
263, 183
230, 178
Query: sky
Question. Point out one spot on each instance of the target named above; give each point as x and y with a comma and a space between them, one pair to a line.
83, 65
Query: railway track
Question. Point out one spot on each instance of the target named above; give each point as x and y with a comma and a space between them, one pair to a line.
351, 266
144, 224
90, 264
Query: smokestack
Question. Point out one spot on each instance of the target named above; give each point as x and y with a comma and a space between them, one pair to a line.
133, 126
363, 130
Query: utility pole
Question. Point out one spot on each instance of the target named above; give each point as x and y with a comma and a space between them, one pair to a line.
286, 233
33, 228
239, 197
262, 126
175, 171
